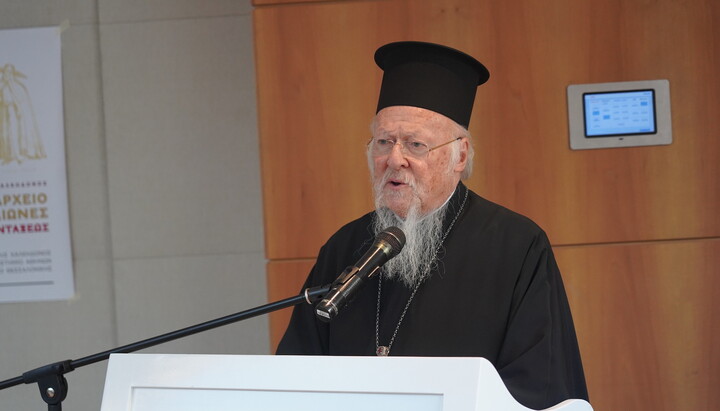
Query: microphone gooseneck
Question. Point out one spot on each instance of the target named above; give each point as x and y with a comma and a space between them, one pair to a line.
387, 245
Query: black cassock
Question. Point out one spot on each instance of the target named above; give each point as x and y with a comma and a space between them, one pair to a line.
497, 293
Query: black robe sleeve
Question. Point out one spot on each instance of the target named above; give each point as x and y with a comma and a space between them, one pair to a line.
539, 359
305, 334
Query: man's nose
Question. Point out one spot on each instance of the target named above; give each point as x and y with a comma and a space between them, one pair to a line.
396, 158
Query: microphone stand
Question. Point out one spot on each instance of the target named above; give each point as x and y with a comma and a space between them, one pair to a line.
53, 385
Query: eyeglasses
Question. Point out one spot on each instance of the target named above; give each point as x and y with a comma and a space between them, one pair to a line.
383, 146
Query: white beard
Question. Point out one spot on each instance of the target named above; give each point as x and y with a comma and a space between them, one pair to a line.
423, 236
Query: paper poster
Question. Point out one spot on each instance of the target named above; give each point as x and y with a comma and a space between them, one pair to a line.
35, 251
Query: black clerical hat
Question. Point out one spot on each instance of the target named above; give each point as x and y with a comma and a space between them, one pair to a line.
429, 76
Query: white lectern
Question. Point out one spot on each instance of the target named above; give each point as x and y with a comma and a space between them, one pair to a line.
158, 382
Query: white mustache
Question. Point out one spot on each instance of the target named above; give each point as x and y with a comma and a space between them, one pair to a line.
391, 175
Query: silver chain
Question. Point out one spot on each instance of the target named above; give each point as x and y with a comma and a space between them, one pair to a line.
417, 286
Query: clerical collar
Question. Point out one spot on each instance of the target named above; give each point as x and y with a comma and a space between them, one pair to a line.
442, 207
448, 199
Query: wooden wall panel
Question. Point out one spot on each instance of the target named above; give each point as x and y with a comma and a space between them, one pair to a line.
648, 322
318, 88
636, 230
258, 3
645, 314
312, 139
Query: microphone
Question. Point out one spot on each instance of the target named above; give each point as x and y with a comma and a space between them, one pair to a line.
386, 246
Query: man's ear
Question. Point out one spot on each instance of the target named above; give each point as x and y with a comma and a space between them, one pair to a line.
462, 162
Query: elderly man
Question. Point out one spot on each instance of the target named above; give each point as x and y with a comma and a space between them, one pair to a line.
474, 278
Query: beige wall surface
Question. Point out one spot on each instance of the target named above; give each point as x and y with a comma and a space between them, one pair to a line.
635, 230
164, 187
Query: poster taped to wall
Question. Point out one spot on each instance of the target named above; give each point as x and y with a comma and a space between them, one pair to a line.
35, 251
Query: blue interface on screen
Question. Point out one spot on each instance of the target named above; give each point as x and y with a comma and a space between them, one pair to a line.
619, 113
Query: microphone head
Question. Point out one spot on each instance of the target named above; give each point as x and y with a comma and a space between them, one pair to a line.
394, 238
386, 246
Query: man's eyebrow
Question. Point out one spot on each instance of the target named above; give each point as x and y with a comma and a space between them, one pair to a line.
401, 132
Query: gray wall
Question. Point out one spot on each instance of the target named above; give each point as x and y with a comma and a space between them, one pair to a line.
164, 187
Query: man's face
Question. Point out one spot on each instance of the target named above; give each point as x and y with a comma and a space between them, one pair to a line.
402, 180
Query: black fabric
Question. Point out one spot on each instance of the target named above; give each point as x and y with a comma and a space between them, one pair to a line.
497, 293
429, 76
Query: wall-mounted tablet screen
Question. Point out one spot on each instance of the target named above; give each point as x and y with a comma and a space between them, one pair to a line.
618, 113
623, 114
